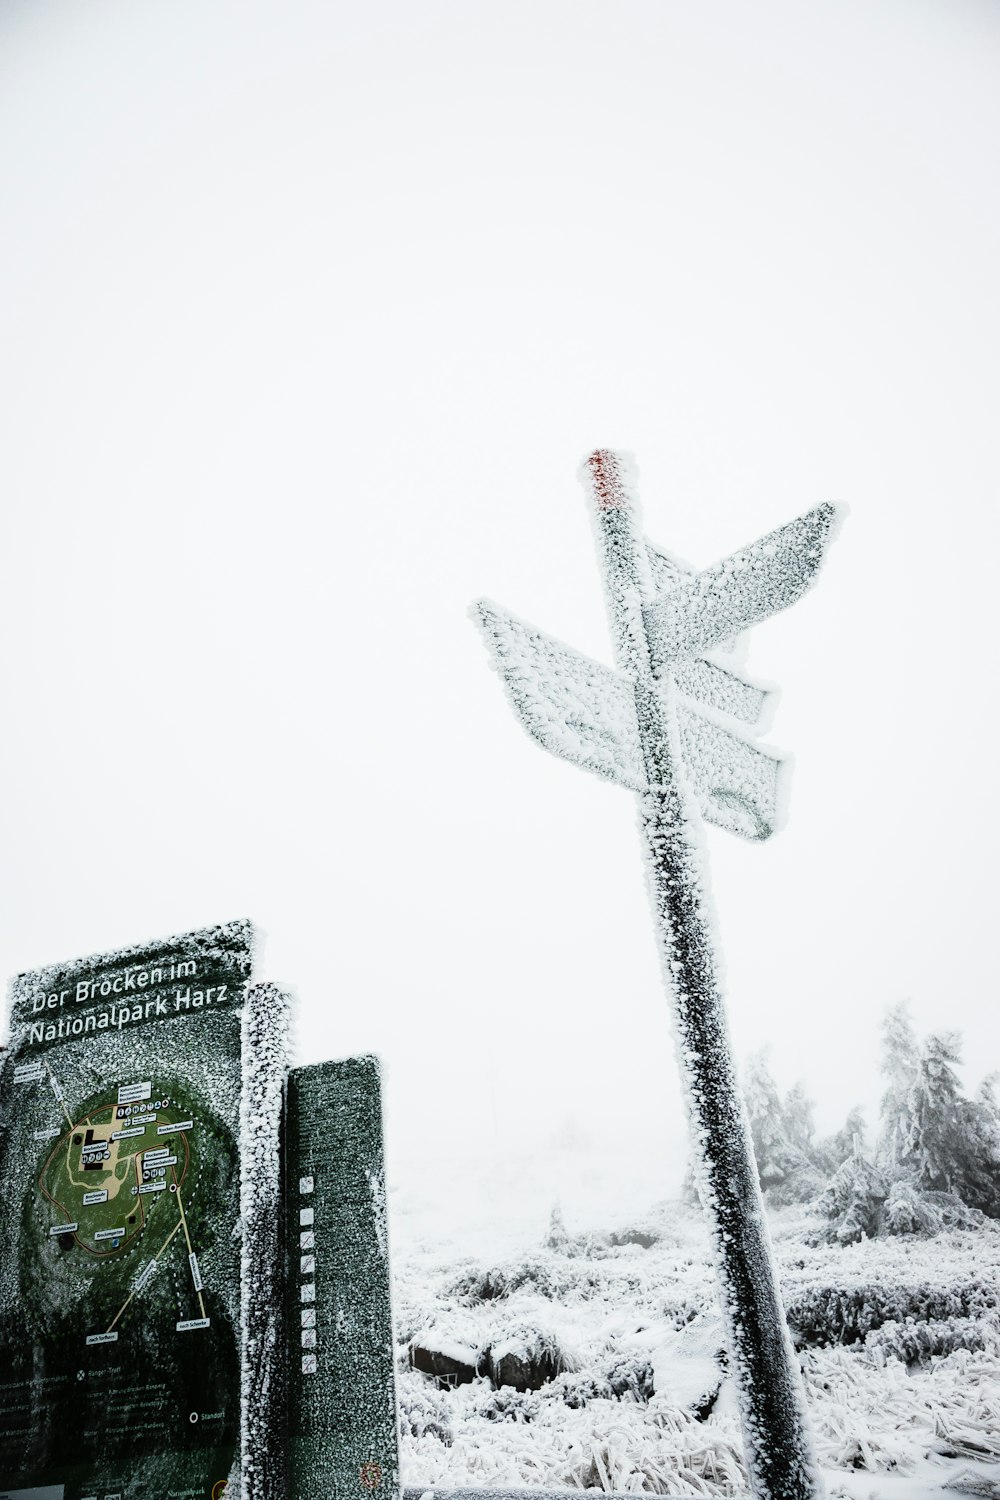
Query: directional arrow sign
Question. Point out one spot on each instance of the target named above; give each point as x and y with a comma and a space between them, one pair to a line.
708, 681
585, 713
668, 572
739, 591
739, 785
579, 709
706, 678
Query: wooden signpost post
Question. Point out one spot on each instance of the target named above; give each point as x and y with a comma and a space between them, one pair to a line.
674, 723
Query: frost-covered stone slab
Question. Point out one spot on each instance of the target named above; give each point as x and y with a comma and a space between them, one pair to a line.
342, 1426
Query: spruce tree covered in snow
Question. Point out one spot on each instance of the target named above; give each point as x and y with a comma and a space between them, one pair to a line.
900, 1061
854, 1199
774, 1153
937, 1162
790, 1165
956, 1141
834, 1150
936, 1135
800, 1123
980, 1186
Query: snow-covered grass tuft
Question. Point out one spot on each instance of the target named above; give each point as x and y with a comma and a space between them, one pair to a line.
500, 1438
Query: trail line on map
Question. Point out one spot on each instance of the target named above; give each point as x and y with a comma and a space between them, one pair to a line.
155, 1258
187, 1237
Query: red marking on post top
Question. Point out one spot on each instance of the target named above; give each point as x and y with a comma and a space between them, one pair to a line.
606, 480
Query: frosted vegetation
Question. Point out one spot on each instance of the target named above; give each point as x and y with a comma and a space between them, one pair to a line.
934, 1162
590, 1354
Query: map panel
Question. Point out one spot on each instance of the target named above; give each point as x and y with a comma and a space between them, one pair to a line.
119, 1206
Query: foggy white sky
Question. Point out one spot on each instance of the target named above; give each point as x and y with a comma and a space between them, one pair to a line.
310, 312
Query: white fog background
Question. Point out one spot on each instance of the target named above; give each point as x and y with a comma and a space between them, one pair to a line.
310, 312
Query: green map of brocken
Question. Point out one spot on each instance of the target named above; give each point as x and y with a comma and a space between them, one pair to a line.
113, 1185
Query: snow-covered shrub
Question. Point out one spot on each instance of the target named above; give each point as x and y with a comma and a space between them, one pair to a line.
909, 1209
541, 1274
509, 1405
574, 1388
631, 1376
916, 1343
551, 1275
644, 1236
821, 1315
879, 1415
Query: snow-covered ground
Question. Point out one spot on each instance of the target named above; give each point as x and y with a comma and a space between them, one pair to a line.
899, 1340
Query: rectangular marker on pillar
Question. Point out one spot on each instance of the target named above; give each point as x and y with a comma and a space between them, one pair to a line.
342, 1422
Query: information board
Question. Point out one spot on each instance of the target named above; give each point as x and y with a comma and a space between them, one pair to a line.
119, 1211
343, 1437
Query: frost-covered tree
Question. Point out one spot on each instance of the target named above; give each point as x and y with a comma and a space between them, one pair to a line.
854, 1198
936, 1140
834, 1150
980, 1181
900, 1062
937, 1163
800, 1124
776, 1154
956, 1144
782, 1132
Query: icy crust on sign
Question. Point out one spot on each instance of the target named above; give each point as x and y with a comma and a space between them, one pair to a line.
667, 572
584, 712
266, 1028
724, 690
575, 707
740, 786
741, 590
231, 945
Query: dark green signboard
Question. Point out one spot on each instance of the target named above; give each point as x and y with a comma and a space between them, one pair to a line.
342, 1407
119, 1211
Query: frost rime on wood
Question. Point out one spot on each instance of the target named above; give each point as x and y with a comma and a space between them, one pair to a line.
633, 727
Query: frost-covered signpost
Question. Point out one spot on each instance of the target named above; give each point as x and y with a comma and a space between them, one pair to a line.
674, 723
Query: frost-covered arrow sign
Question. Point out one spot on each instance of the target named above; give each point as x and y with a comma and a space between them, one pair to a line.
675, 723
